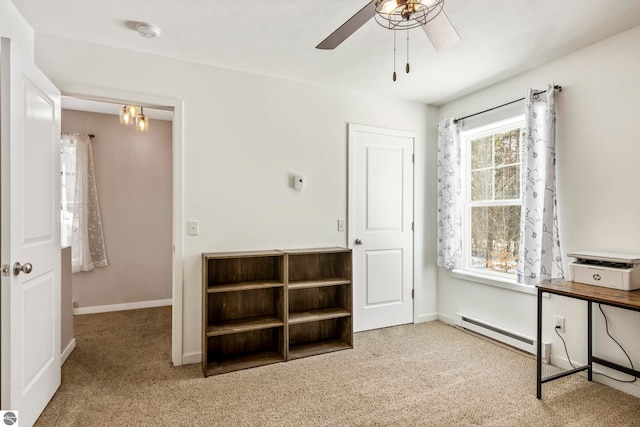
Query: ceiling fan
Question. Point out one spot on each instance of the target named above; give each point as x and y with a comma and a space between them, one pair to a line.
400, 15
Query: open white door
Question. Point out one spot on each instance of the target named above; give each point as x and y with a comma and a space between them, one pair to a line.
30, 228
381, 226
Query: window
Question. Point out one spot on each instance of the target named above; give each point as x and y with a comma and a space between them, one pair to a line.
81, 226
68, 204
492, 195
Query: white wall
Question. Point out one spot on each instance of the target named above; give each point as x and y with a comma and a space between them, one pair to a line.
244, 135
598, 117
134, 181
425, 234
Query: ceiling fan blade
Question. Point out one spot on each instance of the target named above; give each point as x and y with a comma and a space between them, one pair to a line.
349, 27
440, 32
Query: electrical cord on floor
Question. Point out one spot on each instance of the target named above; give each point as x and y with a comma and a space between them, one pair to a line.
606, 325
606, 322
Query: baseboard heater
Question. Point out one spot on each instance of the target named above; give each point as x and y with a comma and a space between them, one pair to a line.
504, 336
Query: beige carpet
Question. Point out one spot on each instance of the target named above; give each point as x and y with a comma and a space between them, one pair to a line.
429, 374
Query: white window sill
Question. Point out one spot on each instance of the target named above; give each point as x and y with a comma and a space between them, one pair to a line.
498, 282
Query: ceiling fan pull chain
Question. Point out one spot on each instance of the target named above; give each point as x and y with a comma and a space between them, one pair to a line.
394, 56
407, 68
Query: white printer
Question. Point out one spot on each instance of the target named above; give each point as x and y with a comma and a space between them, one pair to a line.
611, 270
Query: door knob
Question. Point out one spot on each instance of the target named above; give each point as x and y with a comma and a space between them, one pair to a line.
358, 242
26, 269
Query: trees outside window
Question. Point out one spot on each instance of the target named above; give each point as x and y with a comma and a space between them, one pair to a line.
492, 196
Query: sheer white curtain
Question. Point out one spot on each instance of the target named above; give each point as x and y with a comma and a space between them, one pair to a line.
539, 256
449, 195
82, 213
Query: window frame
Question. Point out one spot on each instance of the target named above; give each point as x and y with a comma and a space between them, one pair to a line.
467, 136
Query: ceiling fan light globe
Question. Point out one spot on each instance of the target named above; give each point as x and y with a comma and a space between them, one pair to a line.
388, 6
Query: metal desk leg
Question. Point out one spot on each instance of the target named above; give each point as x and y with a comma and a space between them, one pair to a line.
589, 342
539, 348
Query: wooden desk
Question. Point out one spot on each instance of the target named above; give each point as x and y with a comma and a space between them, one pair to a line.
629, 300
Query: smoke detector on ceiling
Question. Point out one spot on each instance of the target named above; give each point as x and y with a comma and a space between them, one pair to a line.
148, 31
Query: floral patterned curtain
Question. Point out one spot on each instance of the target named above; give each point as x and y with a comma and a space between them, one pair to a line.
81, 210
449, 195
539, 257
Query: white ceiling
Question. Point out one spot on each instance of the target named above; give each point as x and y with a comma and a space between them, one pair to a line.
500, 38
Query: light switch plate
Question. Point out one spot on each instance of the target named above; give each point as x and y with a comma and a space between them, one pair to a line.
193, 228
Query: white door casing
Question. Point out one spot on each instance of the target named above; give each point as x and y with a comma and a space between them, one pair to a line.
30, 228
124, 97
380, 229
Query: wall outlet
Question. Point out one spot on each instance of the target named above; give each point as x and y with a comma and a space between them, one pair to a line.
559, 323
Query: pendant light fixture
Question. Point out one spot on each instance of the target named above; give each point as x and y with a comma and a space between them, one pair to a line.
128, 114
133, 115
142, 123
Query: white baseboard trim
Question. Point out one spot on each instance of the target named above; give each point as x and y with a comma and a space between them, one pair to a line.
449, 320
191, 358
629, 388
422, 318
67, 351
121, 307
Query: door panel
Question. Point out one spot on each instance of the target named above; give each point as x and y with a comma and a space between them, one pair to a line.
40, 348
30, 227
384, 281
38, 171
384, 188
380, 225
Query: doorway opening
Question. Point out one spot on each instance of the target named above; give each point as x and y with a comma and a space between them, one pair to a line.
139, 181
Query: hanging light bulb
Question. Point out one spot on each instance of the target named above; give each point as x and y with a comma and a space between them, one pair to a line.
142, 123
388, 6
126, 118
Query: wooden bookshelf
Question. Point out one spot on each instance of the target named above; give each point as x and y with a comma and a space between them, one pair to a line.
320, 301
243, 310
266, 307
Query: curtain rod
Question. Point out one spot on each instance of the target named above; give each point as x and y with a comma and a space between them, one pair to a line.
557, 87
77, 133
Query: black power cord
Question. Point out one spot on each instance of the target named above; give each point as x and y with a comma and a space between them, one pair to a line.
565, 347
606, 322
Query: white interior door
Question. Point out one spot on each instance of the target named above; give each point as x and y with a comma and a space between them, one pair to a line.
30, 227
381, 226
